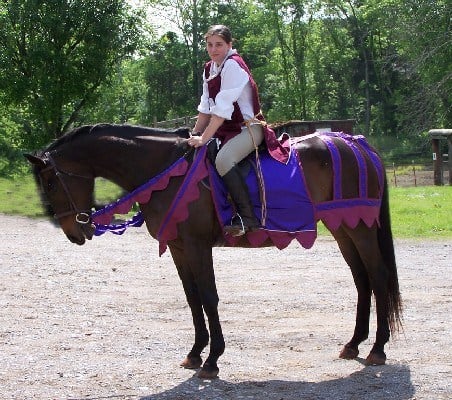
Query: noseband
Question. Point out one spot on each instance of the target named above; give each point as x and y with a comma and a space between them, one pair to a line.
81, 216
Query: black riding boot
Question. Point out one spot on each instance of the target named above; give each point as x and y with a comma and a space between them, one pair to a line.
244, 219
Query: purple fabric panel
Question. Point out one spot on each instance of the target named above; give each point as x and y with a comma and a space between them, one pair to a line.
362, 168
187, 193
337, 165
220, 196
289, 208
376, 160
347, 203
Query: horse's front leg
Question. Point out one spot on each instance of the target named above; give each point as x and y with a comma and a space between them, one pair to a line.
195, 267
193, 359
198, 254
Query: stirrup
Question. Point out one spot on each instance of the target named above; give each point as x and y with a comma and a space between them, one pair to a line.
235, 230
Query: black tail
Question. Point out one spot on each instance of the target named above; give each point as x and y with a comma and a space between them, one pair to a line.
386, 244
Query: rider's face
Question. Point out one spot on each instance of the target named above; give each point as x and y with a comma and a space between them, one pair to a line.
217, 48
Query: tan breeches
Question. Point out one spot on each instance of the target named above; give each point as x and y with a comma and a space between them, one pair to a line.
237, 148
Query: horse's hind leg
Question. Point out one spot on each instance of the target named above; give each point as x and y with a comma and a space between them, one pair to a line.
360, 277
366, 244
193, 359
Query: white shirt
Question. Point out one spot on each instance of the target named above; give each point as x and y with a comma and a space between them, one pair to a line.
235, 87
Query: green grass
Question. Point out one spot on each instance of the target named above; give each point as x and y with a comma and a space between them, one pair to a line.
20, 196
423, 211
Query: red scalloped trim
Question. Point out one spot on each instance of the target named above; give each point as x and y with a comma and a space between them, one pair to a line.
349, 216
279, 239
180, 213
142, 196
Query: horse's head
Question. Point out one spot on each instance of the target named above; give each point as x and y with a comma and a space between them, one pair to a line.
67, 189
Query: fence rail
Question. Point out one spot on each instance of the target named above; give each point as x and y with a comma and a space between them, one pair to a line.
399, 173
188, 121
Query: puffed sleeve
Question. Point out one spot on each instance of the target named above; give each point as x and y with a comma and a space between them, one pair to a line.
233, 81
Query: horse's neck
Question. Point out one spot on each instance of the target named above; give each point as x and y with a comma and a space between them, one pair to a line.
130, 163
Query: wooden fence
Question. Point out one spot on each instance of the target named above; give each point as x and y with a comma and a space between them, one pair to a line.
398, 173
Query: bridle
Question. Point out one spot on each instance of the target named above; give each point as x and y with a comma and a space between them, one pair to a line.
81, 216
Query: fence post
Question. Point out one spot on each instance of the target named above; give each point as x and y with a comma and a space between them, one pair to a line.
436, 135
449, 158
437, 163
395, 177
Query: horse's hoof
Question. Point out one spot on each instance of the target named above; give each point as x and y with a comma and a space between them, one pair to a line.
191, 363
349, 353
376, 358
208, 372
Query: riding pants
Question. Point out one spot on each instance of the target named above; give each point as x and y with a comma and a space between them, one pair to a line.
237, 148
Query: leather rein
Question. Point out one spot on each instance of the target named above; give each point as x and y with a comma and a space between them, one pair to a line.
81, 216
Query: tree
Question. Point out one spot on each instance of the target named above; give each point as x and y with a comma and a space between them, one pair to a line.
54, 55
292, 24
424, 59
191, 17
168, 78
122, 99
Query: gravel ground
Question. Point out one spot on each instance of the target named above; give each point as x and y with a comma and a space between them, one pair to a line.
109, 320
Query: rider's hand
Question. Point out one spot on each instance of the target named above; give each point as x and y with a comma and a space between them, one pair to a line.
195, 141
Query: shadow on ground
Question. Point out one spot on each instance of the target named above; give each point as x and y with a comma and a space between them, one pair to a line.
382, 382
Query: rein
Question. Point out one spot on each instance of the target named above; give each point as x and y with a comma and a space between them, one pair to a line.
81, 216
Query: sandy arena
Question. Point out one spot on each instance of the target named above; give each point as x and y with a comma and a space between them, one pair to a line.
109, 320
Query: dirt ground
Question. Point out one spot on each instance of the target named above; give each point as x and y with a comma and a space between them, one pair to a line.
109, 320
408, 177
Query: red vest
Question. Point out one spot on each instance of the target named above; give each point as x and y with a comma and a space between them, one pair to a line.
233, 127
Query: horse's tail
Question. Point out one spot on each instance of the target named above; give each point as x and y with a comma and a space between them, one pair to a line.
386, 244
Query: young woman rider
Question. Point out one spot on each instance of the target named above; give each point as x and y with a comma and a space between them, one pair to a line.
229, 110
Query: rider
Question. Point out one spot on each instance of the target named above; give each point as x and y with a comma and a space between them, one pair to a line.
229, 110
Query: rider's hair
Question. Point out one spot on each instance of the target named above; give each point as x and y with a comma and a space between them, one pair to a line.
219, 30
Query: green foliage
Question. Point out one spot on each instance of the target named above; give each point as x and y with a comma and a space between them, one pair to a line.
57, 53
425, 48
385, 63
123, 98
168, 78
403, 149
11, 142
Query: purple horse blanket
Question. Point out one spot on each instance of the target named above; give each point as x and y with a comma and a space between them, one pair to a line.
280, 199
278, 192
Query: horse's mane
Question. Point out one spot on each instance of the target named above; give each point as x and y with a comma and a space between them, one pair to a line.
126, 131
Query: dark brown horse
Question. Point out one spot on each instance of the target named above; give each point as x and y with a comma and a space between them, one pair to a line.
130, 155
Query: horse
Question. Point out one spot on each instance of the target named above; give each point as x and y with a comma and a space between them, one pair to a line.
130, 155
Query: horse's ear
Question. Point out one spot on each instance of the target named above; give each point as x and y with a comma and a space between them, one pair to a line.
35, 160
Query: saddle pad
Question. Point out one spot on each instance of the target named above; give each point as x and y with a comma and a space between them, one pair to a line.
282, 205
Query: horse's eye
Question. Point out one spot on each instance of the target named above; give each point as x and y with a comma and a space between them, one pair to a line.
50, 186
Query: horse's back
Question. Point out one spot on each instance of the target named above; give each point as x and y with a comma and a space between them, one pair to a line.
331, 160
316, 163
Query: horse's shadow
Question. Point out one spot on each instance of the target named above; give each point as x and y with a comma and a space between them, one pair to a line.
374, 383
